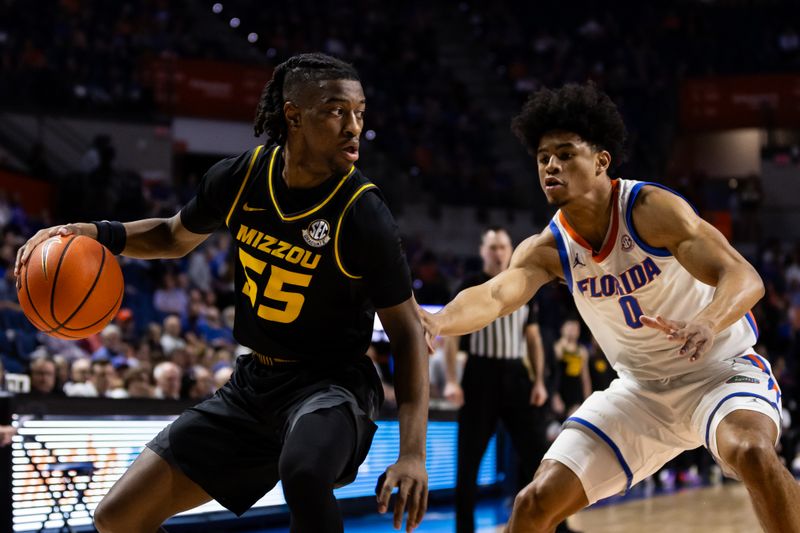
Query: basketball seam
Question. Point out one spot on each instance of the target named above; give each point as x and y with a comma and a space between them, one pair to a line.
85, 298
28, 293
55, 282
121, 292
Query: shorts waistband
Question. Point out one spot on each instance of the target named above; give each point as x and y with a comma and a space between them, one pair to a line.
268, 360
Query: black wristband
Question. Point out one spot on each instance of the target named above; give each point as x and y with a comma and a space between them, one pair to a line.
112, 235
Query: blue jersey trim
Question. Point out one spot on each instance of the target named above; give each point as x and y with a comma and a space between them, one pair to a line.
658, 252
562, 254
611, 443
728, 397
752, 324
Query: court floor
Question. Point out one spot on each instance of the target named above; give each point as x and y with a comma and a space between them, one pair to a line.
719, 509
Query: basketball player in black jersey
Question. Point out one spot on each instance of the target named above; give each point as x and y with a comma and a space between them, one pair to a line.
317, 251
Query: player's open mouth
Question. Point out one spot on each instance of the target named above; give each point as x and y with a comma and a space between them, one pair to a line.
351, 152
551, 183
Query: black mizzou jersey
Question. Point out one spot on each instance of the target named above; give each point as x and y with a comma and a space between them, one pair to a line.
297, 295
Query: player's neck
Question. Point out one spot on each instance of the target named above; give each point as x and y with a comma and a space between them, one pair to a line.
298, 173
590, 215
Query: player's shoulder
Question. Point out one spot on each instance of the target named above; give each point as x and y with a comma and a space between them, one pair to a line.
366, 198
660, 216
658, 206
538, 251
367, 213
537, 244
657, 198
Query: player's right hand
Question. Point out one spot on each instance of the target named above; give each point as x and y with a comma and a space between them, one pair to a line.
454, 394
410, 478
24, 252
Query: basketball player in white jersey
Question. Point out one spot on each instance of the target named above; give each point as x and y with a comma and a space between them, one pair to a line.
668, 300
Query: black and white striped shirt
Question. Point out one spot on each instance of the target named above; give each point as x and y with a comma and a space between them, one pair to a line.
505, 337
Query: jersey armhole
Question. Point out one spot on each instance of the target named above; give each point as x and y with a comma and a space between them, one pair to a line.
563, 256
652, 250
243, 185
356, 195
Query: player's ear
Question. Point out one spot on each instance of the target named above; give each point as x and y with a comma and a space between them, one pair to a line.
292, 114
602, 161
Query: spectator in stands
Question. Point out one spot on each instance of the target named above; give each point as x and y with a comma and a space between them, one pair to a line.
111, 339
222, 375
79, 373
62, 368
197, 384
600, 371
172, 297
138, 383
199, 270
171, 338
43, 377
430, 287
212, 330
102, 383
574, 385
168, 380
70, 349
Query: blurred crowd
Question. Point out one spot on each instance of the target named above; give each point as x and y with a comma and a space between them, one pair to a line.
173, 336
88, 55
638, 53
427, 131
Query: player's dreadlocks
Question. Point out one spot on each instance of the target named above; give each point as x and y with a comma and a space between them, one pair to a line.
289, 75
580, 109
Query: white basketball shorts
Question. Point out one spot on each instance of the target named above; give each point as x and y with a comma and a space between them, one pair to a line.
625, 433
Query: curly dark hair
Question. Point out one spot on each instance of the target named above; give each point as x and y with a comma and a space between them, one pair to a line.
287, 76
581, 109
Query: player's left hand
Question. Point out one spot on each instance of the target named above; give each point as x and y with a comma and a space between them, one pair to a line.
408, 474
697, 337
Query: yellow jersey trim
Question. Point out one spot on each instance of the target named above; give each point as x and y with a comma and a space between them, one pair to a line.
339, 227
244, 182
292, 218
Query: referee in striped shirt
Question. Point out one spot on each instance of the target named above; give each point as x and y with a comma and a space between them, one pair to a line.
496, 384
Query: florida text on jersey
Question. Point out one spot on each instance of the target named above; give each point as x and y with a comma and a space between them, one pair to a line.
628, 278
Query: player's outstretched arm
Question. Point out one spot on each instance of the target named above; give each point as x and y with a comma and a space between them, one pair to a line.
150, 238
533, 264
160, 238
411, 386
666, 221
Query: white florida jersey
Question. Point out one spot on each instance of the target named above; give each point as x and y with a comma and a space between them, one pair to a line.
627, 279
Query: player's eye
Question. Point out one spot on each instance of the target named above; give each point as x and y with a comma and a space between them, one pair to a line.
565, 156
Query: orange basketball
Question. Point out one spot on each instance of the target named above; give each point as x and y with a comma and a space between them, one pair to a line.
71, 287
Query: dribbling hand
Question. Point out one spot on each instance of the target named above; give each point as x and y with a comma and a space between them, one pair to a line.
90, 230
409, 476
697, 337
